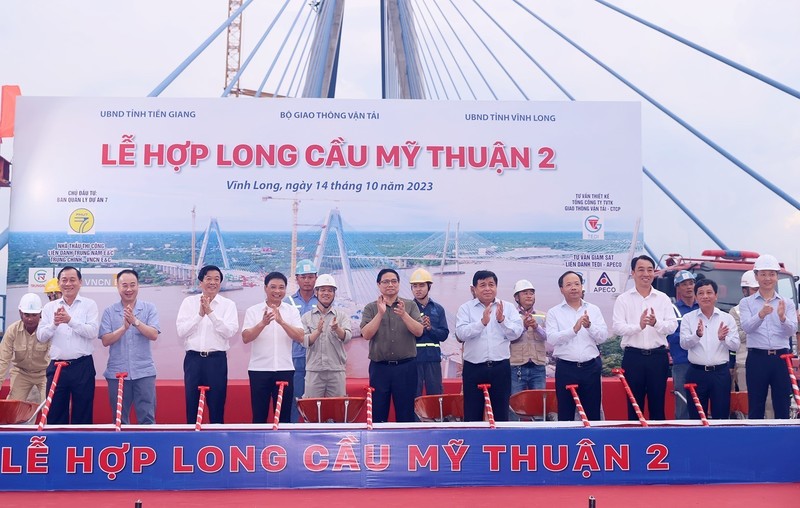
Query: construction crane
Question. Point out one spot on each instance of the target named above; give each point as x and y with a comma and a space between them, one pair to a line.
323, 59
295, 212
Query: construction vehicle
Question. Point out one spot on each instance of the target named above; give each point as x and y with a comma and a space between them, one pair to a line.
725, 267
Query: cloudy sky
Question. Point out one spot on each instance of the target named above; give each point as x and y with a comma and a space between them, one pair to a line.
113, 49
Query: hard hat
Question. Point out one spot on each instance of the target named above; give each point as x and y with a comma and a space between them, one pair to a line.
682, 276
421, 275
522, 285
749, 279
325, 279
30, 303
766, 262
305, 266
51, 286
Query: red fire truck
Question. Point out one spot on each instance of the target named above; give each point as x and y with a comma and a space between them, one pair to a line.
725, 267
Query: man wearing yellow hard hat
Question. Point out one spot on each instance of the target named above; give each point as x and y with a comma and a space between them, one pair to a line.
434, 321
52, 289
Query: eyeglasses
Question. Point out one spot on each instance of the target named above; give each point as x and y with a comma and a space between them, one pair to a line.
390, 282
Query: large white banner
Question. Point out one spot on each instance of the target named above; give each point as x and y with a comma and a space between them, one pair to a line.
525, 189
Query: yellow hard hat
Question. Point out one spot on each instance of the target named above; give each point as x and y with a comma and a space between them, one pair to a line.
421, 275
51, 286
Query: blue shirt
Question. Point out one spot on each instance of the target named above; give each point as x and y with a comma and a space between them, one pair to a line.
298, 351
767, 333
679, 355
428, 349
131, 353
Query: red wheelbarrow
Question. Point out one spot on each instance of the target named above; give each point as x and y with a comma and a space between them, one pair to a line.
15, 412
535, 405
330, 409
440, 408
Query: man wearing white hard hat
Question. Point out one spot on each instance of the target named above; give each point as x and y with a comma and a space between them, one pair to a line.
528, 352
749, 287
769, 320
326, 331
685, 302
27, 356
434, 321
304, 299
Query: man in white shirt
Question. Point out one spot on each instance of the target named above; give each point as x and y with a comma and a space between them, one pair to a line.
643, 317
487, 326
271, 326
574, 329
206, 322
709, 335
70, 324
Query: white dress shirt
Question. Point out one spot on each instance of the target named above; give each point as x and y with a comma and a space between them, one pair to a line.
70, 341
272, 349
709, 350
211, 332
628, 311
490, 342
571, 346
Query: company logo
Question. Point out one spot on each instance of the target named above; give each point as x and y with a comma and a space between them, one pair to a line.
604, 284
592, 224
81, 220
40, 276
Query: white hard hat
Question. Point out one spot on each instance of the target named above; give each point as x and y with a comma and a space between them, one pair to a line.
522, 285
766, 262
30, 303
749, 279
325, 279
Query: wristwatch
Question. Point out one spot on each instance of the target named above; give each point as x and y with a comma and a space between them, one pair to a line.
137, 323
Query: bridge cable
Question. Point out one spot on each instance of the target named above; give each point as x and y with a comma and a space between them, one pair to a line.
294, 50
452, 56
420, 37
466, 52
280, 51
744, 167
182, 67
304, 66
739, 67
404, 17
439, 52
512, 39
685, 210
249, 58
490, 51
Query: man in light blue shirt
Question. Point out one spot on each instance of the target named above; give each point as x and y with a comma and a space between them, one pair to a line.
127, 328
487, 326
769, 320
304, 300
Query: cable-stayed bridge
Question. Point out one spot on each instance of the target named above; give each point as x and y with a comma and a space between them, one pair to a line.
482, 50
